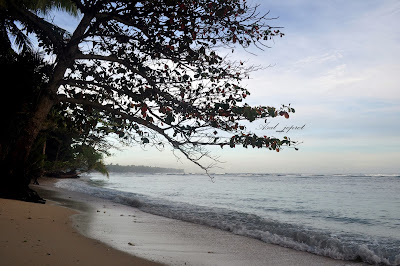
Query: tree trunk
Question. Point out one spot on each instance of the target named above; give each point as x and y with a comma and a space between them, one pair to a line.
15, 149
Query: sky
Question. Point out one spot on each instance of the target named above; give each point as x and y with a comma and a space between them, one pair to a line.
338, 65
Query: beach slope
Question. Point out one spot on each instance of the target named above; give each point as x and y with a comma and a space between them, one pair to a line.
37, 234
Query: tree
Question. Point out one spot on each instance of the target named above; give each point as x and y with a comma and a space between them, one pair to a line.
8, 25
152, 72
25, 73
70, 146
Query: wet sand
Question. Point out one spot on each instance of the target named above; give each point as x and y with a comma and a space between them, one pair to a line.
37, 234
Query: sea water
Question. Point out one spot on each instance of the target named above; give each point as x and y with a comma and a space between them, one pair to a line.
349, 217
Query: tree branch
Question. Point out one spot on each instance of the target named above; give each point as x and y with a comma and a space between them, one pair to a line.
108, 109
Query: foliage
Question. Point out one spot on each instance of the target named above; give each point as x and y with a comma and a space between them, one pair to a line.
26, 74
82, 159
14, 25
72, 144
151, 71
46, 6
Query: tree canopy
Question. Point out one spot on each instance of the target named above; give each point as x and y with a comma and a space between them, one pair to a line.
151, 71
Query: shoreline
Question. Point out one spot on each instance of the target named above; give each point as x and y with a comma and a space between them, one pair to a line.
42, 234
169, 241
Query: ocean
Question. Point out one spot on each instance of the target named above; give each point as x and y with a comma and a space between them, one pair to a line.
348, 217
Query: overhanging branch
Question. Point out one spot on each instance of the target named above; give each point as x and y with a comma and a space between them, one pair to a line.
176, 144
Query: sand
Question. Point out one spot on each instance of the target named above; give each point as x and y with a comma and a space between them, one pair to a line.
37, 234
54, 234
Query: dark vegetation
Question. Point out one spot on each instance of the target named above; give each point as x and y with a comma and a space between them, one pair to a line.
146, 72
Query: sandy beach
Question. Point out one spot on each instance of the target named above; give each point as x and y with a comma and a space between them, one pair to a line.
76, 229
37, 234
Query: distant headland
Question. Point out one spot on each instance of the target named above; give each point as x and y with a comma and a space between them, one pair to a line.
116, 168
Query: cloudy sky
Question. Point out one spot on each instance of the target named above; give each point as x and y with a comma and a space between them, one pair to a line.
338, 66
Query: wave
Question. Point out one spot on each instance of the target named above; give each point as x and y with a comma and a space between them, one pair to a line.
344, 247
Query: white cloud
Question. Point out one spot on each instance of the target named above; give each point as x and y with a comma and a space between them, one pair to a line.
318, 59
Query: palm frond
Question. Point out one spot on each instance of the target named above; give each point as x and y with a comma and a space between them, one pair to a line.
45, 6
21, 40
